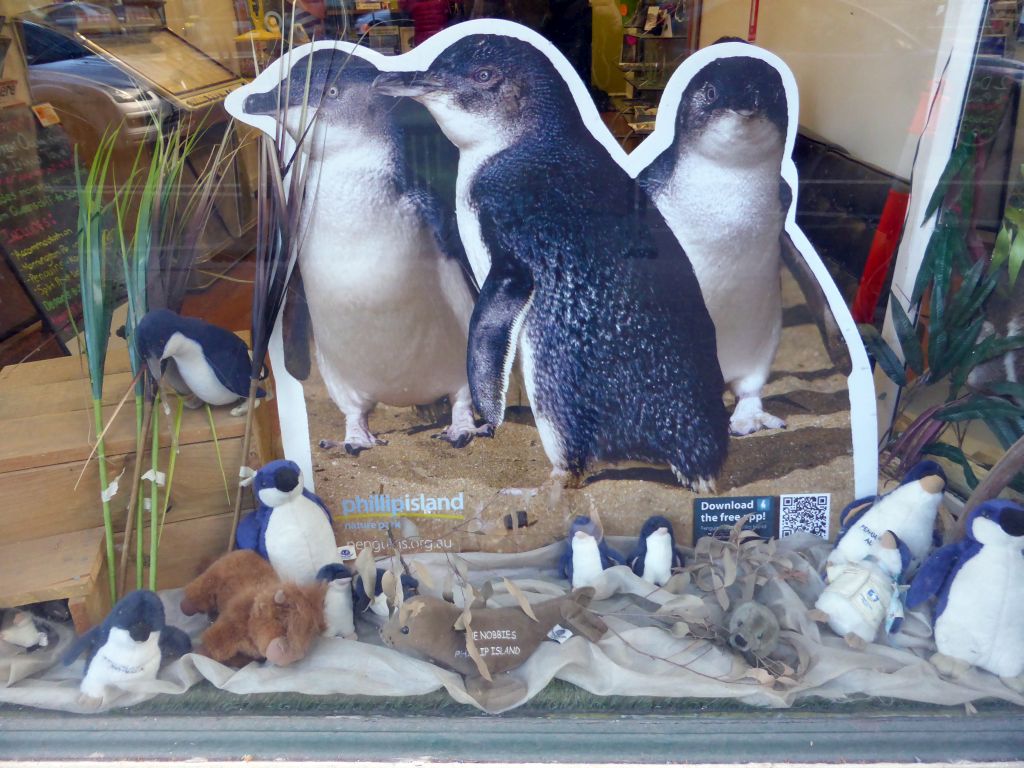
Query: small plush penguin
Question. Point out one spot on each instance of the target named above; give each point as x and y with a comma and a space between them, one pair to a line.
861, 596
656, 553
909, 512
586, 553
338, 601
129, 645
979, 583
377, 604
209, 362
291, 527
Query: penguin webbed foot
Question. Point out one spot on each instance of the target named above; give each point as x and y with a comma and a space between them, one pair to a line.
749, 417
700, 485
460, 438
353, 447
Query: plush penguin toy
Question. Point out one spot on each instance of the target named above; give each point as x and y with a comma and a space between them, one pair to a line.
656, 553
129, 645
195, 356
338, 601
861, 596
377, 603
979, 583
291, 527
586, 553
909, 512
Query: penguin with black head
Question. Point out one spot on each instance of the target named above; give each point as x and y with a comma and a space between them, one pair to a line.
577, 270
385, 281
719, 186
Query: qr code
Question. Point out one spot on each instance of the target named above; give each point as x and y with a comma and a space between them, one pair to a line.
804, 512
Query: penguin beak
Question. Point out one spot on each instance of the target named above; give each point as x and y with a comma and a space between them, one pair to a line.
139, 631
262, 103
411, 84
156, 369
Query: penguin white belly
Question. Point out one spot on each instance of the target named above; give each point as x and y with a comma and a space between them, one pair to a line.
728, 220
121, 659
390, 312
300, 541
983, 623
469, 226
586, 563
198, 375
658, 560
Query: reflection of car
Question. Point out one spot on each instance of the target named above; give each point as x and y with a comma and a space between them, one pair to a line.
90, 94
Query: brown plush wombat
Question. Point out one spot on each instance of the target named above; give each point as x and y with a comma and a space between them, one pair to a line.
257, 615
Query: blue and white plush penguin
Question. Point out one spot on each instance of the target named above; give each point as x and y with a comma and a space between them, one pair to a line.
383, 277
129, 645
578, 271
586, 553
861, 596
208, 361
338, 608
909, 512
291, 527
656, 553
979, 583
377, 604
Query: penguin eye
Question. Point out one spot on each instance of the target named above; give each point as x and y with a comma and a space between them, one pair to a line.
482, 75
332, 92
405, 630
710, 93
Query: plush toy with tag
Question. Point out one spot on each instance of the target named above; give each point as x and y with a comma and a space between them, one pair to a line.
22, 629
979, 583
656, 553
909, 512
586, 553
861, 597
291, 527
504, 637
257, 615
128, 646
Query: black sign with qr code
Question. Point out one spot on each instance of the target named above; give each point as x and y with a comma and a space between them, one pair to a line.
715, 516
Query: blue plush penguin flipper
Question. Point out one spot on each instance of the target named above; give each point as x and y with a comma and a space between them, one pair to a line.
333, 571
613, 555
82, 643
677, 558
229, 360
174, 642
846, 523
494, 334
934, 573
249, 531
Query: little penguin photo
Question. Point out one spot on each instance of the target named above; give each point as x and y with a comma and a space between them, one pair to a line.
579, 273
380, 272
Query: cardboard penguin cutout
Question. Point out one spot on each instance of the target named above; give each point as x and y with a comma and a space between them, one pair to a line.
616, 288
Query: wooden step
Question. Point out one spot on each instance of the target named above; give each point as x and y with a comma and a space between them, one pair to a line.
66, 566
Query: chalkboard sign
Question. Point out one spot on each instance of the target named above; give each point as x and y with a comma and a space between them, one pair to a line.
39, 214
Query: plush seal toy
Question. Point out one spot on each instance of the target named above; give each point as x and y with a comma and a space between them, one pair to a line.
656, 553
128, 646
504, 637
586, 553
291, 527
979, 583
860, 597
753, 630
909, 512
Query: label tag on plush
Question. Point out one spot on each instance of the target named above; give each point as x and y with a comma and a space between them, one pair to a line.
894, 616
559, 634
348, 552
246, 475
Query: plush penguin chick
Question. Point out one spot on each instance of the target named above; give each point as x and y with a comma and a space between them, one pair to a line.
909, 512
753, 629
128, 645
720, 188
656, 553
979, 583
578, 271
338, 608
861, 597
586, 553
377, 603
291, 527
386, 283
196, 357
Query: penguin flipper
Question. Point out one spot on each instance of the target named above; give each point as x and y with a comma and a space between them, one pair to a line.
319, 502
82, 643
494, 335
610, 554
828, 328
248, 534
934, 573
853, 512
332, 572
174, 642
296, 328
